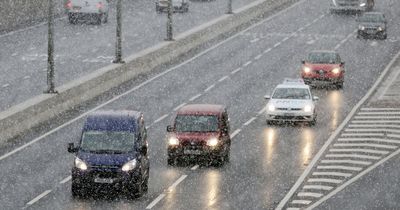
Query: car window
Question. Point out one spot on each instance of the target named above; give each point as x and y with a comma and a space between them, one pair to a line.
196, 123
107, 141
370, 18
291, 93
323, 58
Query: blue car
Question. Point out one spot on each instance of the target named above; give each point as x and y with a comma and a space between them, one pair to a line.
111, 154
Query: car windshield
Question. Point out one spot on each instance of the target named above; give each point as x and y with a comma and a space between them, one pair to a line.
291, 93
323, 58
196, 123
107, 141
372, 18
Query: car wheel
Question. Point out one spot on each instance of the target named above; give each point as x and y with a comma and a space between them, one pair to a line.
339, 85
171, 161
384, 37
71, 19
76, 190
105, 18
269, 122
227, 155
99, 19
313, 122
145, 185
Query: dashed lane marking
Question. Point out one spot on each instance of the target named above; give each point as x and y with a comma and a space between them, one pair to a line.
236, 132
267, 50
250, 121
258, 57
173, 186
5, 85
195, 167
180, 106
223, 78
195, 97
236, 70
38, 197
277, 44
155, 201
161, 118
66, 180
248, 63
209, 88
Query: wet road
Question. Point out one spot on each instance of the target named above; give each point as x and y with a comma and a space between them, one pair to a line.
86, 47
265, 160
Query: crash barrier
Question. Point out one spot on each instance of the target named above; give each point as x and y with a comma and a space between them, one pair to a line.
25, 116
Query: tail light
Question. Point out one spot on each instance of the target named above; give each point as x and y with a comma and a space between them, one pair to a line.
100, 5
68, 5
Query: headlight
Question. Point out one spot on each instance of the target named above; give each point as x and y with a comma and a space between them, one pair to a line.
306, 69
80, 164
212, 142
362, 28
173, 141
362, 5
130, 165
271, 108
380, 29
336, 70
307, 108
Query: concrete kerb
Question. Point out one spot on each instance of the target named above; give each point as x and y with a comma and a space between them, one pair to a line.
35, 111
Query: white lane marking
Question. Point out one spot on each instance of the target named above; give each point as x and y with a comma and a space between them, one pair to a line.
331, 173
66, 180
360, 150
385, 90
194, 97
254, 40
246, 64
267, 50
209, 88
27, 77
155, 201
364, 145
285, 39
309, 194
353, 156
180, 106
308, 24
261, 111
160, 118
194, 167
373, 126
291, 208
236, 70
378, 113
236, 132
305, 202
374, 43
364, 140
5, 85
250, 121
378, 117
173, 186
340, 167
334, 181
300, 29
258, 57
277, 44
365, 163
14, 54
317, 187
373, 121
38, 197
150, 80
364, 134
352, 180
380, 109
223, 78
336, 133
345, 40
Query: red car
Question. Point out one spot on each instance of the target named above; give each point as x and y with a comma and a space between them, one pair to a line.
323, 68
199, 131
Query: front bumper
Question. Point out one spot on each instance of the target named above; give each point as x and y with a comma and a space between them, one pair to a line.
290, 116
372, 33
106, 179
347, 9
322, 80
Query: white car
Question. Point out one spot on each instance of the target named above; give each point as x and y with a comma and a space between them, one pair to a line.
291, 101
96, 10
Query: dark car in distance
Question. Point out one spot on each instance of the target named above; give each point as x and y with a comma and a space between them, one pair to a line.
199, 131
372, 24
111, 154
323, 67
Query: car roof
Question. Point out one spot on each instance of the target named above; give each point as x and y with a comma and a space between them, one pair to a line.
201, 109
324, 51
112, 120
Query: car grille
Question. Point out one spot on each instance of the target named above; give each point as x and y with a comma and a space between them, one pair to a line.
289, 109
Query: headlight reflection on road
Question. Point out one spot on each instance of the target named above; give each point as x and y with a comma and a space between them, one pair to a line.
214, 179
335, 101
307, 143
269, 136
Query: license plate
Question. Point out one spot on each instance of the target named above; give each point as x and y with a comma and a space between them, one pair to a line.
103, 180
288, 114
191, 152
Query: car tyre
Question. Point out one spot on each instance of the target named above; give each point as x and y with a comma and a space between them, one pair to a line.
71, 19
171, 161
99, 19
105, 18
227, 155
339, 85
76, 190
314, 121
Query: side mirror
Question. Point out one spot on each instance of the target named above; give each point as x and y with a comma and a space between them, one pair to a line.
303, 62
170, 128
267, 97
342, 63
315, 98
143, 150
72, 148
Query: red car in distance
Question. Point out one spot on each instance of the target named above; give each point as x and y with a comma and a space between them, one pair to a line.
323, 68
